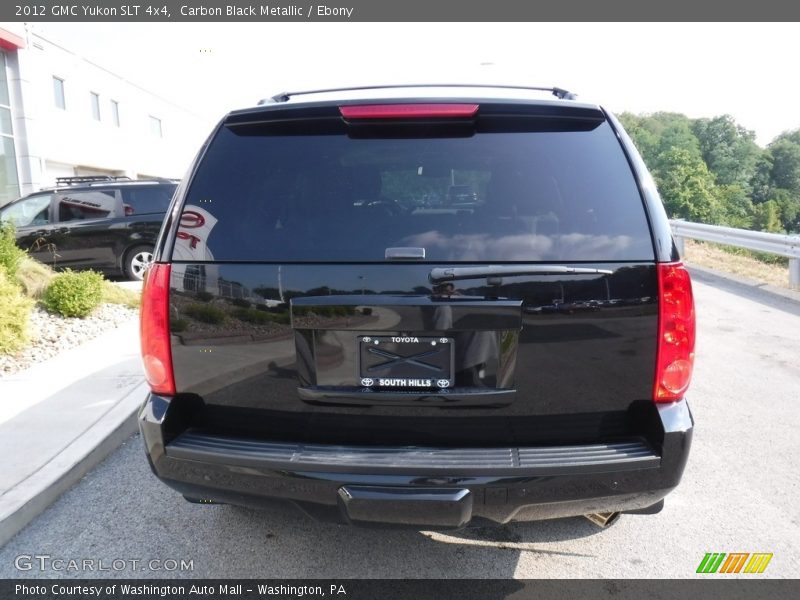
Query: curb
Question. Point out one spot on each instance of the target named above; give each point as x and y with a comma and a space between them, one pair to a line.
780, 294
32, 496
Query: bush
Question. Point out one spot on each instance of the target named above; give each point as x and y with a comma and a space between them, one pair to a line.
10, 255
205, 313
251, 315
204, 296
74, 294
240, 302
281, 317
259, 317
16, 310
178, 325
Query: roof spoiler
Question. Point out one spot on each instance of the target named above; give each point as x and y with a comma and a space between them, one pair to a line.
558, 92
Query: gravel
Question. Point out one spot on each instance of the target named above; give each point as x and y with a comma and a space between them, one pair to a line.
51, 334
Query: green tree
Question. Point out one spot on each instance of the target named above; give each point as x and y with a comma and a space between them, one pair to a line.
730, 150
788, 209
641, 133
767, 217
785, 153
735, 205
687, 187
655, 134
761, 183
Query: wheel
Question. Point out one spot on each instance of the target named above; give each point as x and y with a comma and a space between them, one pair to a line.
137, 260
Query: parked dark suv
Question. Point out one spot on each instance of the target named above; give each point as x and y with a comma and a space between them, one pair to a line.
98, 222
521, 355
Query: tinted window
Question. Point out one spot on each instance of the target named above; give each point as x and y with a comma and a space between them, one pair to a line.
75, 206
147, 200
28, 212
489, 197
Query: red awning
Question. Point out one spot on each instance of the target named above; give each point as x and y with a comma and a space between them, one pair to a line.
10, 41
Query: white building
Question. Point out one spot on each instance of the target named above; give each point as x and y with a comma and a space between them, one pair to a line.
61, 114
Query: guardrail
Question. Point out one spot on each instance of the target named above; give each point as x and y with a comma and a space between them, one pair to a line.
774, 243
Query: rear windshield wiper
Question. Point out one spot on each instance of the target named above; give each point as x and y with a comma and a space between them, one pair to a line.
440, 274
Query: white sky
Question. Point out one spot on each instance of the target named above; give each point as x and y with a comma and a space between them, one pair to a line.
748, 70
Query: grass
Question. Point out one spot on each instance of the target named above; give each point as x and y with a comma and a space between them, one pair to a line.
114, 294
16, 310
10, 255
34, 277
718, 257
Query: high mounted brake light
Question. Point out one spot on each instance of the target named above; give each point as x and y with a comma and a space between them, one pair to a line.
154, 330
676, 333
409, 111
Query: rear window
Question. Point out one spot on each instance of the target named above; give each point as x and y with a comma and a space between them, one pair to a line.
147, 200
527, 196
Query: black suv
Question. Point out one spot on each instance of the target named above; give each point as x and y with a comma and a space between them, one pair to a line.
97, 222
324, 325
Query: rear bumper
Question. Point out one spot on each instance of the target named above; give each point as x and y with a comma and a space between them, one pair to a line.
423, 487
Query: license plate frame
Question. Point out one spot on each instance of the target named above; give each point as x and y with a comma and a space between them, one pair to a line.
406, 362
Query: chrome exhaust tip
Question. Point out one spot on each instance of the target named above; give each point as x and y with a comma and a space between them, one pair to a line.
603, 520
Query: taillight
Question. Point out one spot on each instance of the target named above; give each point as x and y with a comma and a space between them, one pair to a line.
154, 330
408, 111
676, 333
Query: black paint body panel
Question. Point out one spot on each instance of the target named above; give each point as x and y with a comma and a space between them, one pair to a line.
577, 351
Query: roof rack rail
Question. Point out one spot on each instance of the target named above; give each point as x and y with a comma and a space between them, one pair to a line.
558, 92
90, 179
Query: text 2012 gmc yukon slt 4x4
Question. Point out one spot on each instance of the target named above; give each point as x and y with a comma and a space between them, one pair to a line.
427, 306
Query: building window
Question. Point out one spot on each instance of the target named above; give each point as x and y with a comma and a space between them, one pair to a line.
95, 105
58, 92
9, 182
115, 112
155, 126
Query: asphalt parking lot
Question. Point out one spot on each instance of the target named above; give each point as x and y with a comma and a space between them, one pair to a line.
739, 494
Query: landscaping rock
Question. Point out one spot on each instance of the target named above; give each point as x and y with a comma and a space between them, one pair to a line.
52, 333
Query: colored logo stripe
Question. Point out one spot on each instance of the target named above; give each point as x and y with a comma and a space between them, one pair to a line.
714, 562
711, 562
734, 562
758, 563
